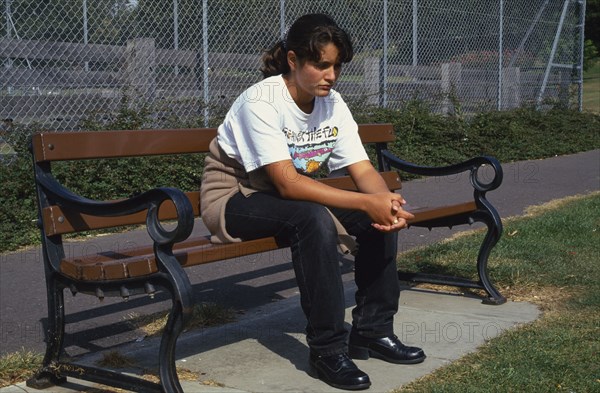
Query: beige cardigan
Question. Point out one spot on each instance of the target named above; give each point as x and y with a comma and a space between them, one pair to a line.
223, 177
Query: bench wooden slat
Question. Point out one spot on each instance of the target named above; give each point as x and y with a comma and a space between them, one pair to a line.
392, 179
62, 146
59, 146
423, 214
59, 220
138, 262
376, 133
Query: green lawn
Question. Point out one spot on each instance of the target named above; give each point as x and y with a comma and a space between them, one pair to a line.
549, 257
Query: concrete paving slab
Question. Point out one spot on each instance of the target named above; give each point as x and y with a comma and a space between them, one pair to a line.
265, 350
270, 354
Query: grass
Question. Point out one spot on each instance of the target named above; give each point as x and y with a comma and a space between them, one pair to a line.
548, 257
591, 89
115, 359
18, 366
203, 315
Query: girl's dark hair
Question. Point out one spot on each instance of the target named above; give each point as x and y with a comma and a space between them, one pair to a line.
307, 37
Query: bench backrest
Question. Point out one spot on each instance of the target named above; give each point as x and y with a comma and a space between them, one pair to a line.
78, 145
81, 145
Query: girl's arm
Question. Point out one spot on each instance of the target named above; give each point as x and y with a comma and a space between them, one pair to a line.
369, 181
374, 197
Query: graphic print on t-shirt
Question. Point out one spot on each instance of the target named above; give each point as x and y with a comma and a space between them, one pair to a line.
309, 149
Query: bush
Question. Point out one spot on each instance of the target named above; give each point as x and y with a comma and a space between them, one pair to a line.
525, 133
590, 55
18, 204
421, 137
97, 179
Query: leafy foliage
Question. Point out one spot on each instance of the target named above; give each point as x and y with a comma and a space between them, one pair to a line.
590, 54
427, 138
422, 137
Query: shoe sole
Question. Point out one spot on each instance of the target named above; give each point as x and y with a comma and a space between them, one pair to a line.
363, 353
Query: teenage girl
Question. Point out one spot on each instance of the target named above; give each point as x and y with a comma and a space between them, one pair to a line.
257, 182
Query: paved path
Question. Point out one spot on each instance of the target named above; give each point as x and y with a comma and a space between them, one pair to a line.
265, 350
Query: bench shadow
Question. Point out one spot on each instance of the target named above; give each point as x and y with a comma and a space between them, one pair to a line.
247, 290
240, 291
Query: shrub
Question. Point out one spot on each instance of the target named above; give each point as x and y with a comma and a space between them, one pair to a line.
421, 137
590, 54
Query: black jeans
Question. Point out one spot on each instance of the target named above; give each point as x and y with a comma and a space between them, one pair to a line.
308, 229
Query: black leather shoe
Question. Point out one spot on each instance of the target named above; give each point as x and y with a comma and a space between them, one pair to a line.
389, 349
339, 371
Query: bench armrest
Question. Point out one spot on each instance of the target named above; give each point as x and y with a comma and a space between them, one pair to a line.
472, 165
149, 200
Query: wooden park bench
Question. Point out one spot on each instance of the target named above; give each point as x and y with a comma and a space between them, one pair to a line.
161, 263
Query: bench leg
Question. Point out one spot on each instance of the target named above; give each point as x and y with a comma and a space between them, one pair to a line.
167, 368
487, 215
494, 225
180, 288
49, 374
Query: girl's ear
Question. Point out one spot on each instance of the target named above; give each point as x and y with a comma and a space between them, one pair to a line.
292, 60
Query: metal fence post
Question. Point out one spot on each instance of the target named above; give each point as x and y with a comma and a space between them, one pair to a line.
8, 64
205, 60
384, 102
86, 65
500, 53
282, 29
176, 31
581, 26
415, 33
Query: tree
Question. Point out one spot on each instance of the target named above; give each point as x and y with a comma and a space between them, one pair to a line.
592, 21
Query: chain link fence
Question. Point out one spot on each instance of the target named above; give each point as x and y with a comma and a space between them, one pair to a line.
66, 64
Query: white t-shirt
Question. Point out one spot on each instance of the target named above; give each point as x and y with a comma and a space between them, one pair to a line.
264, 125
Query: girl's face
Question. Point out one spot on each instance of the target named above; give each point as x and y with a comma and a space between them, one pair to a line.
315, 79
